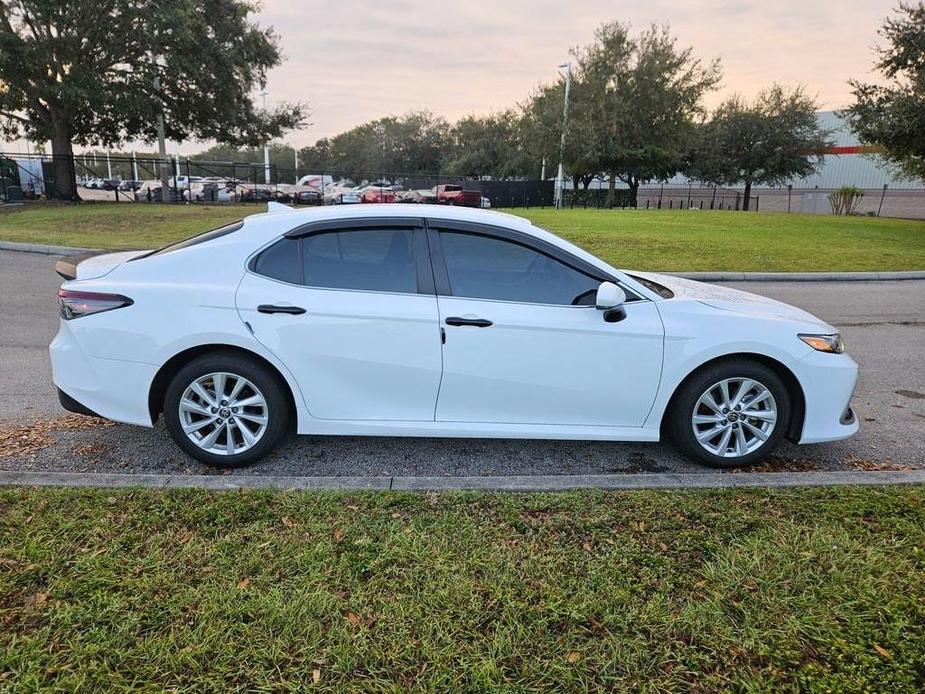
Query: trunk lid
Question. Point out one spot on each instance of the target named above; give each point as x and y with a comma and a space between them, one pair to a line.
87, 266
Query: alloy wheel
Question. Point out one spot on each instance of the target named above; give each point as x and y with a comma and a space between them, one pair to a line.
223, 413
734, 417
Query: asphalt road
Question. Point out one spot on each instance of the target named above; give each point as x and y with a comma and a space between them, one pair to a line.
883, 322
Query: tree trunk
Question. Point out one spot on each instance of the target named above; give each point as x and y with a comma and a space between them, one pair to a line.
611, 185
746, 203
634, 192
62, 154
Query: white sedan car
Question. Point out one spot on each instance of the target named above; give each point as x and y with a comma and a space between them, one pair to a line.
383, 320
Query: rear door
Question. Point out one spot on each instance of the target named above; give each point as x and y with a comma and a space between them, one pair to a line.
524, 343
351, 311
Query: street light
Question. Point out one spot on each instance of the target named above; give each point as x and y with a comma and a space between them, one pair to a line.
560, 174
266, 144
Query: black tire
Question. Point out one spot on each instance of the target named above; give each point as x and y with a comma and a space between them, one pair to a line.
270, 385
679, 425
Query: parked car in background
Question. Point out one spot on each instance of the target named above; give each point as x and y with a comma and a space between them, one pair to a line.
129, 185
377, 193
309, 196
215, 192
341, 195
434, 321
453, 194
316, 180
423, 196
255, 195
185, 181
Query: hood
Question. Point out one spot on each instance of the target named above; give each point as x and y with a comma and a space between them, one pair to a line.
734, 300
88, 266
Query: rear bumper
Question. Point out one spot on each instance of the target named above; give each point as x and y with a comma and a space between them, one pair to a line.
71, 405
110, 388
828, 382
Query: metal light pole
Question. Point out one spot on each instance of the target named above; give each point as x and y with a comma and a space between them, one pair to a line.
560, 174
163, 166
295, 156
266, 145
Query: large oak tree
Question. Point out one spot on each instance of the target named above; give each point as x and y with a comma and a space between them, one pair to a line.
892, 115
637, 103
84, 72
768, 141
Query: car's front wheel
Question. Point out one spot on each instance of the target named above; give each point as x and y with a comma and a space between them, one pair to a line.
225, 410
731, 413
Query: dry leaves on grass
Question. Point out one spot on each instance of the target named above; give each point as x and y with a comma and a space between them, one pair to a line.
25, 439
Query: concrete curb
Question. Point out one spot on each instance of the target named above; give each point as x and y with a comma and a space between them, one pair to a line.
701, 276
43, 249
801, 276
527, 483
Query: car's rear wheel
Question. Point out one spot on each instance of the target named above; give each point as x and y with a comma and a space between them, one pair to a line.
225, 410
730, 414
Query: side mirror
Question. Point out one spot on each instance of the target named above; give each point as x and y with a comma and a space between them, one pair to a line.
610, 299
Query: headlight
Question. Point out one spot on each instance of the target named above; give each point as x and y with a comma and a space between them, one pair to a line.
824, 343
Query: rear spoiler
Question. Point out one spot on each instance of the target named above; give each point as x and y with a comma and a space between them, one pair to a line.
67, 267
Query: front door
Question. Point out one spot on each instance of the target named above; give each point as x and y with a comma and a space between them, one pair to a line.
344, 310
525, 345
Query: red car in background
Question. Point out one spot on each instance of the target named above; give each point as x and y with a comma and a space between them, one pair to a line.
375, 192
452, 194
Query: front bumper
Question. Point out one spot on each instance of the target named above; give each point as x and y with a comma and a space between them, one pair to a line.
828, 382
112, 388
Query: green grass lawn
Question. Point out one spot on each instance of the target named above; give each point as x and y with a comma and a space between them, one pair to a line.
642, 240
757, 242
791, 590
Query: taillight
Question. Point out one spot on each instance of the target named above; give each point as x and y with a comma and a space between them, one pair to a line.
77, 304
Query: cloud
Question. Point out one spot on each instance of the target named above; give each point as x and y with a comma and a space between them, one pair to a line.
354, 60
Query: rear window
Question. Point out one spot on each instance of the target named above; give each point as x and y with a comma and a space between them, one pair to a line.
194, 240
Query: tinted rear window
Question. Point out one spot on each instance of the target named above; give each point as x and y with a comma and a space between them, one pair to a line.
365, 260
194, 240
281, 262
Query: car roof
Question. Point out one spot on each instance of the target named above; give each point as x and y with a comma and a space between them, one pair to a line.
296, 217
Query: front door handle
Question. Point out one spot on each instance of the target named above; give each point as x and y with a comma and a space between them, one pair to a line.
476, 322
273, 308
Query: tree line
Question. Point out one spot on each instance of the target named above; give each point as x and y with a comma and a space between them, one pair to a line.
97, 73
636, 115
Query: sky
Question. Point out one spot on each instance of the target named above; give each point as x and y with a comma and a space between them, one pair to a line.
352, 61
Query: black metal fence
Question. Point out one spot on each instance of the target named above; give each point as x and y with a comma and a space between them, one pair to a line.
141, 179
149, 179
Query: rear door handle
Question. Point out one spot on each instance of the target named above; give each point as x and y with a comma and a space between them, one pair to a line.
476, 322
273, 308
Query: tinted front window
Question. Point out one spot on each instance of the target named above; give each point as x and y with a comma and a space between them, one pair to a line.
483, 267
369, 260
280, 261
